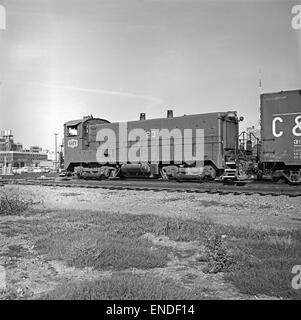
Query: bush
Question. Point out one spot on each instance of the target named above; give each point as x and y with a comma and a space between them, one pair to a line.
218, 256
13, 204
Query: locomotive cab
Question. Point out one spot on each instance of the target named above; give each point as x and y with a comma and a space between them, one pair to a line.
78, 136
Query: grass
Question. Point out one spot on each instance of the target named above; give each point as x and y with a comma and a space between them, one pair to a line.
102, 251
120, 254
124, 287
265, 267
256, 262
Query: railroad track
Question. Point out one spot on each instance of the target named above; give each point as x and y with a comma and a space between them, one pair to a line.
169, 186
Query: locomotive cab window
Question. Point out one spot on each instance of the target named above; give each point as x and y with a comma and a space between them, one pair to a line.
86, 129
72, 131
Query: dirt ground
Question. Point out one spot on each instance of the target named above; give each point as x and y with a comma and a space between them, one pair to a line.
261, 212
28, 273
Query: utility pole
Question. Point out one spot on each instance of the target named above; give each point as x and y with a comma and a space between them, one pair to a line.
260, 84
61, 159
4, 164
55, 135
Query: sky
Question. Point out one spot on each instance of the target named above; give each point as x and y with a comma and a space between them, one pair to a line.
63, 59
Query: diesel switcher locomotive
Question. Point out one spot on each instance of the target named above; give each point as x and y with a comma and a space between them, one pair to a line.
218, 144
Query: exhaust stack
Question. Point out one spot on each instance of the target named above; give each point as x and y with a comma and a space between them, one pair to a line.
169, 113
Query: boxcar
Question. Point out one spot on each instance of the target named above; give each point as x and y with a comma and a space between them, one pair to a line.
281, 135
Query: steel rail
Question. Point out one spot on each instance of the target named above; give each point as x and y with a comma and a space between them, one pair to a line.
168, 186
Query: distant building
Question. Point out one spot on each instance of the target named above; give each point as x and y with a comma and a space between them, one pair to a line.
35, 149
7, 142
6, 133
50, 155
2, 144
19, 159
19, 146
13, 155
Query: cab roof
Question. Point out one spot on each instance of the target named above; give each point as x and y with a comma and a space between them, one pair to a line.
73, 123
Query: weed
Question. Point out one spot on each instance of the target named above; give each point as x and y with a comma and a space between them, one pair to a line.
218, 257
13, 204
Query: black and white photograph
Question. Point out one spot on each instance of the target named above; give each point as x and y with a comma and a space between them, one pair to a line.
150, 151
